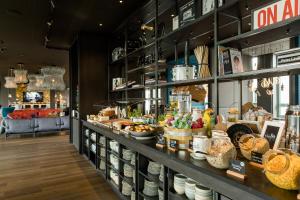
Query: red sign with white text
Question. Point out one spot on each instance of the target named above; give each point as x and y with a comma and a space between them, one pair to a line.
275, 12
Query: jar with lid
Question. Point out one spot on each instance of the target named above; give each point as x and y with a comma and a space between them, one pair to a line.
293, 128
282, 168
251, 143
220, 152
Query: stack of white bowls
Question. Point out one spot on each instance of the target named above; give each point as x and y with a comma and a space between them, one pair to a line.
93, 148
133, 160
93, 136
128, 171
190, 188
114, 176
203, 193
102, 152
150, 188
102, 165
114, 145
179, 183
87, 142
87, 132
160, 194
161, 175
132, 195
114, 161
126, 188
154, 168
102, 141
127, 154
133, 176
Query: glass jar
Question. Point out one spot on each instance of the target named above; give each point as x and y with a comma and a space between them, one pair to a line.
293, 128
220, 152
249, 143
282, 168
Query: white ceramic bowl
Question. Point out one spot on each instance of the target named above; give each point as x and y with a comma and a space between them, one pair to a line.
190, 189
160, 194
154, 168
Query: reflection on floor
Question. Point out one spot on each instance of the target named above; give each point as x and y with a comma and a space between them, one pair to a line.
48, 168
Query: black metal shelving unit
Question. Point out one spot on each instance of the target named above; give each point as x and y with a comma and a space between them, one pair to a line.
228, 25
255, 187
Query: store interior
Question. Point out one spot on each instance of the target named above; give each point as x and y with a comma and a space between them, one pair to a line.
174, 99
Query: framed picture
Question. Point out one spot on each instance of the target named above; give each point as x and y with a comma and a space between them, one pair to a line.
187, 13
273, 132
209, 5
236, 61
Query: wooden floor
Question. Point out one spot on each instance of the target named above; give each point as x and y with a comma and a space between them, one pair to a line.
48, 168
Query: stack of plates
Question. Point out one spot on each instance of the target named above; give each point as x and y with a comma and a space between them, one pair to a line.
133, 176
150, 188
160, 194
102, 152
154, 168
132, 195
126, 188
93, 136
190, 189
93, 148
127, 154
179, 183
114, 161
87, 132
102, 141
128, 171
161, 175
114, 145
133, 160
203, 193
114, 176
102, 165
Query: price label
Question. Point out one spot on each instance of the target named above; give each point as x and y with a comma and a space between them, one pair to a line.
174, 144
238, 166
256, 157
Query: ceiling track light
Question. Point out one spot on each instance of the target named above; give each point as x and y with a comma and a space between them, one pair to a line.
121, 1
50, 23
52, 4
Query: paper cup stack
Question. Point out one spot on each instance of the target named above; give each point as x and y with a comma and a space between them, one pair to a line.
128, 171
127, 154
126, 188
102, 165
154, 168
114, 161
102, 152
102, 141
203, 193
150, 188
160, 194
179, 183
161, 175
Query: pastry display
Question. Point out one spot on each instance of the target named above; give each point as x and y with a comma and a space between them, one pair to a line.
251, 143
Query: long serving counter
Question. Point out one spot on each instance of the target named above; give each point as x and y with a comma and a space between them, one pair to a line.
254, 187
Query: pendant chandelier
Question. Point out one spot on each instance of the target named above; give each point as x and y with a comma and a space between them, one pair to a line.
53, 78
32, 83
10, 81
20, 75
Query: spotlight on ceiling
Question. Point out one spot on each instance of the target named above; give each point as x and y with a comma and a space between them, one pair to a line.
52, 3
100, 24
121, 1
50, 23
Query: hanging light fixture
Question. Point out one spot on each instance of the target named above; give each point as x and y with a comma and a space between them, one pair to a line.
39, 81
54, 78
20, 74
32, 83
10, 80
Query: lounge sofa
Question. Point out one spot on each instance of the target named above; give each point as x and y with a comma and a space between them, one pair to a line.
35, 125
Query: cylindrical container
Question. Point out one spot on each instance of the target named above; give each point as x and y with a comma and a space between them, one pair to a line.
182, 73
201, 144
293, 128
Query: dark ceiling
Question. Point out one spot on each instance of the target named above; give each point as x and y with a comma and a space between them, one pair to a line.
72, 16
23, 27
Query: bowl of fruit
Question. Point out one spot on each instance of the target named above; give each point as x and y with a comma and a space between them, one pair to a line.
140, 130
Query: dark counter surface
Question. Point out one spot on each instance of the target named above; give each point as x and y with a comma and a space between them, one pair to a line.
255, 187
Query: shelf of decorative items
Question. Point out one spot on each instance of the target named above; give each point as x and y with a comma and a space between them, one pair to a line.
166, 46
